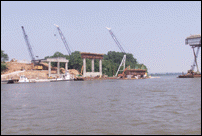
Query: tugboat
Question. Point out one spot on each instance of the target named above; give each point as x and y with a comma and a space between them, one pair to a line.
65, 77
23, 79
12, 81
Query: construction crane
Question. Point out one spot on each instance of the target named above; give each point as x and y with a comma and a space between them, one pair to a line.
29, 46
194, 41
36, 65
63, 39
115, 39
122, 50
195, 60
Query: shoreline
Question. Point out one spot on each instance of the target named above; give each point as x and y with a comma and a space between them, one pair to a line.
75, 79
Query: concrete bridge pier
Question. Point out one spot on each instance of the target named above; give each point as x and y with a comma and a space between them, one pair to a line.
92, 56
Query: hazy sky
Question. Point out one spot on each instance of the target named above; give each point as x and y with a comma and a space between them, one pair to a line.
154, 32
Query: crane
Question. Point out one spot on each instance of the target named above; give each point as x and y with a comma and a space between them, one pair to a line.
29, 46
122, 50
195, 60
37, 66
115, 39
63, 39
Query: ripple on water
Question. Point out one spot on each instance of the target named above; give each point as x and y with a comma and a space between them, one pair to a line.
103, 108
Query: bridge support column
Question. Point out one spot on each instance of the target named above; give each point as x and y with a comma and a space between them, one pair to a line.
92, 65
66, 68
100, 66
49, 68
84, 67
58, 68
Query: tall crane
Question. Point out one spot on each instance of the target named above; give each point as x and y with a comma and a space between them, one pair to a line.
115, 39
123, 62
195, 60
63, 39
29, 46
194, 41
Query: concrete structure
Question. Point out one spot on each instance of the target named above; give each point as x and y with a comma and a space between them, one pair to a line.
58, 60
92, 56
195, 42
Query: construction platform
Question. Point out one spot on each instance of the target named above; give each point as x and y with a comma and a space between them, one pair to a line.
190, 76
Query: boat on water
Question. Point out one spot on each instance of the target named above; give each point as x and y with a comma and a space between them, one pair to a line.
12, 81
23, 79
190, 74
65, 77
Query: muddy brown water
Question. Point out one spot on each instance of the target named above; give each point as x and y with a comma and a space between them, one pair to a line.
166, 105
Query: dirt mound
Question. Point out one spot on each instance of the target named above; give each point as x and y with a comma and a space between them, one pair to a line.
14, 66
74, 72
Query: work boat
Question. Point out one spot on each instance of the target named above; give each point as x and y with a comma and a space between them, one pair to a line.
23, 79
65, 77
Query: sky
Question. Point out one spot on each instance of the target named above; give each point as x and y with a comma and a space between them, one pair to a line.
153, 31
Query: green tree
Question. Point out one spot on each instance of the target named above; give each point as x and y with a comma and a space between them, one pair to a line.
75, 61
4, 56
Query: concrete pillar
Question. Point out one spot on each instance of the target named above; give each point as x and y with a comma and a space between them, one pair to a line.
49, 68
84, 67
92, 65
100, 66
58, 72
66, 68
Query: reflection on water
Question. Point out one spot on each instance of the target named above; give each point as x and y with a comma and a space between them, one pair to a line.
166, 105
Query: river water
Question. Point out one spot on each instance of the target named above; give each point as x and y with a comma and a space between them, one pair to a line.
165, 105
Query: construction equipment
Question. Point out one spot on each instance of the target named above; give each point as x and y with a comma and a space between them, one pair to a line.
194, 41
29, 46
122, 75
195, 61
36, 66
115, 39
63, 39
122, 50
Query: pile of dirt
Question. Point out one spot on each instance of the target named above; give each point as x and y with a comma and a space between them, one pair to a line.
74, 72
14, 66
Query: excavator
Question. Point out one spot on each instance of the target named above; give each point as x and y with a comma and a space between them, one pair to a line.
122, 75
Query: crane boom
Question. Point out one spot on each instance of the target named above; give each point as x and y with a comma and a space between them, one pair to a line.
123, 62
28, 45
63, 39
195, 59
115, 39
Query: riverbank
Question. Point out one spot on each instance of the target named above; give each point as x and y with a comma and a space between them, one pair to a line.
78, 79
